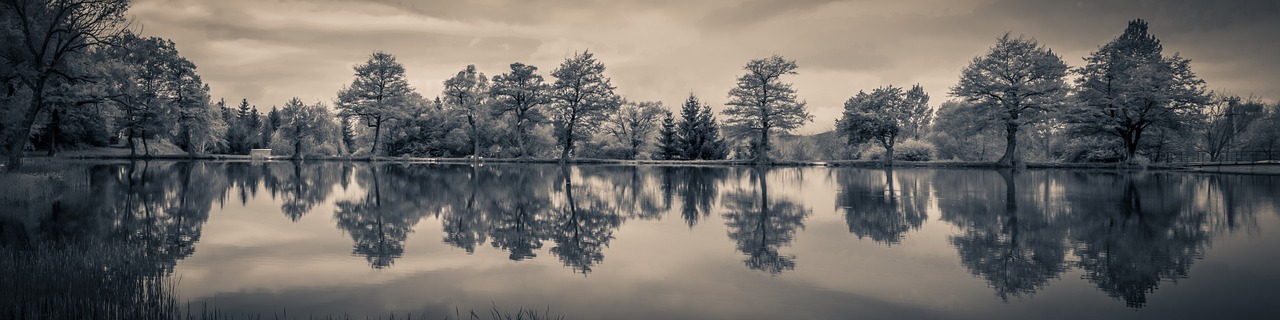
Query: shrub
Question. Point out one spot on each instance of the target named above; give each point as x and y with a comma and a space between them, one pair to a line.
913, 150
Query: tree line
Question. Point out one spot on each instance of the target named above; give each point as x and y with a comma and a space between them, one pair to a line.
77, 76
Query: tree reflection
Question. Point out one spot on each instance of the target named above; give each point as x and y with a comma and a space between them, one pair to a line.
519, 221
465, 226
1008, 240
874, 209
1132, 232
698, 188
303, 186
379, 231
761, 225
581, 227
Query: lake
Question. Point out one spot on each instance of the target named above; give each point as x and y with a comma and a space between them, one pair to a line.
644, 242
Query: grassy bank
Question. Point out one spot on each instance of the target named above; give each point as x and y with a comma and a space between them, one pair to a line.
119, 153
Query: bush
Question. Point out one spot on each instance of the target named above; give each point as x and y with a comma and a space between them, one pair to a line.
908, 150
913, 150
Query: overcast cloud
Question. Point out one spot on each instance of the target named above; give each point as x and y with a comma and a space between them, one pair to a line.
270, 50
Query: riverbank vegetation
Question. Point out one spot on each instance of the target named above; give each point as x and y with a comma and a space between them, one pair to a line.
99, 83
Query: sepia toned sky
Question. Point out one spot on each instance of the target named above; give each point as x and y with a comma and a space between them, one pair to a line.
270, 50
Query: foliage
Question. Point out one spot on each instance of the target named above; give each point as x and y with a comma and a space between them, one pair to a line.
379, 93
45, 36
962, 132
522, 94
306, 129
878, 116
582, 98
1017, 83
761, 104
467, 93
919, 115
698, 134
1129, 86
634, 124
668, 139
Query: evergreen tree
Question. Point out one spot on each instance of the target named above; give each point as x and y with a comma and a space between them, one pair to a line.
713, 145
698, 135
668, 139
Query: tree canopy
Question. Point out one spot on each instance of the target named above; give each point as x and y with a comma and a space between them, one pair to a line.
761, 104
1129, 86
1017, 83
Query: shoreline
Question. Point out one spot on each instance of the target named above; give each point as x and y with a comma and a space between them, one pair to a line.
1235, 168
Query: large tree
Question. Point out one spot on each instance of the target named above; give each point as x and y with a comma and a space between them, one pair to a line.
305, 126
521, 93
40, 37
880, 115
634, 123
467, 93
582, 98
379, 93
1129, 86
761, 103
1016, 83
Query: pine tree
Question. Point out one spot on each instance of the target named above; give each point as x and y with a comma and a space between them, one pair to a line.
698, 135
713, 146
668, 144
689, 141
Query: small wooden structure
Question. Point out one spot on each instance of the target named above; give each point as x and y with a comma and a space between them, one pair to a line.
259, 153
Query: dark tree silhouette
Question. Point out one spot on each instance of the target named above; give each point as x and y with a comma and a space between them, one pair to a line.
1137, 231
876, 210
760, 225
582, 227
518, 224
1018, 248
378, 229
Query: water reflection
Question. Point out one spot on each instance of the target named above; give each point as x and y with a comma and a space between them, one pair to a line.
1132, 232
882, 209
760, 224
1017, 231
1008, 237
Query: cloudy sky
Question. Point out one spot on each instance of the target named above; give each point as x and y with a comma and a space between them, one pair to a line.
270, 50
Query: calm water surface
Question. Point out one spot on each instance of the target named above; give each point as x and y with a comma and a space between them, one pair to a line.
592, 242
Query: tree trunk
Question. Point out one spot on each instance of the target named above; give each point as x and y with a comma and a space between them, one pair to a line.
568, 142
55, 124
146, 149
520, 138
888, 153
18, 141
475, 141
133, 146
762, 149
297, 144
1131, 146
191, 145
1010, 157
377, 132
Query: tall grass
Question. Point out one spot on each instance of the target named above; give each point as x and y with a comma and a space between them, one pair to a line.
82, 281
